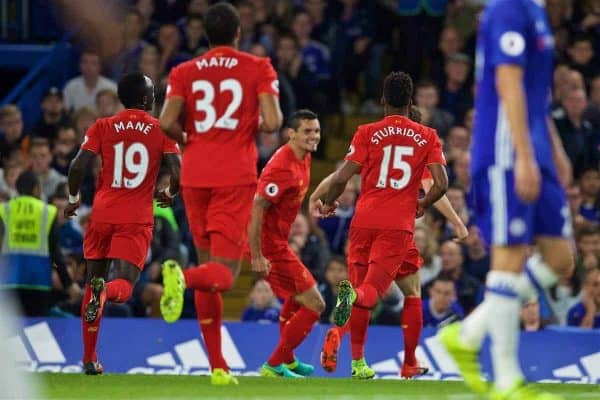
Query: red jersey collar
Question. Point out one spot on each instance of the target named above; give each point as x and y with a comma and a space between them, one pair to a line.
223, 49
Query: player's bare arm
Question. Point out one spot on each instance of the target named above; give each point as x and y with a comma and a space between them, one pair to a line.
561, 160
169, 119
443, 205
315, 204
166, 195
272, 118
260, 264
76, 174
338, 183
437, 190
509, 84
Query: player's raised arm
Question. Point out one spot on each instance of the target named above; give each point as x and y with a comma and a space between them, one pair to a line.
270, 112
509, 84
259, 263
338, 183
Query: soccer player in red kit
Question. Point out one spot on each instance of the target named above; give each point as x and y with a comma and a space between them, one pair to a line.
281, 188
408, 282
391, 156
132, 147
226, 97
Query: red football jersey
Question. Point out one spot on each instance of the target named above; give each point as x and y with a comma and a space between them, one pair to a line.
221, 89
393, 154
284, 182
131, 145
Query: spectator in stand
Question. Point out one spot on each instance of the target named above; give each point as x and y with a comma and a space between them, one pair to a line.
322, 28
335, 272
8, 180
107, 103
450, 44
81, 91
531, 320
456, 96
169, 43
336, 227
64, 149
150, 64
53, 115
468, 289
40, 156
264, 306
577, 134
311, 247
268, 143
592, 113
428, 247
477, 261
581, 55
427, 98
469, 119
194, 42
13, 138
586, 313
589, 185
575, 201
460, 174
194, 8
169, 11
457, 143
250, 30
588, 253
317, 60
132, 45
82, 120
150, 26
441, 308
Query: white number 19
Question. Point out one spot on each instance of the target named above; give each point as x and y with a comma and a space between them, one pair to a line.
139, 169
399, 163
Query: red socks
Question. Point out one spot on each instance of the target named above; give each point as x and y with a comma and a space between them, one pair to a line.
293, 334
209, 311
412, 323
366, 296
209, 277
359, 323
118, 290
90, 331
290, 306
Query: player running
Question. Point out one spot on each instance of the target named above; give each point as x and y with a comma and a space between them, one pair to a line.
132, 147
220, 94
412, 316
391, 156
281, 189
518, 166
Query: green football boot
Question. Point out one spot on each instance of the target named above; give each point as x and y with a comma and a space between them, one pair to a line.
343, 307
360, 369
171, 301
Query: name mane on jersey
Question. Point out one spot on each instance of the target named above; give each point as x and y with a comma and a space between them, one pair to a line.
137, 126
227, 62
388, 131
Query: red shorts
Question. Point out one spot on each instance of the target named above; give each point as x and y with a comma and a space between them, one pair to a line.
288, 276
218, 218
376, 256
129, 242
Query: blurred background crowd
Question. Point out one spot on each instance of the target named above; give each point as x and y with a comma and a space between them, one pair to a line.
331, 57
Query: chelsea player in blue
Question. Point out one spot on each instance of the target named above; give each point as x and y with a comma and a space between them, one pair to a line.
519, 170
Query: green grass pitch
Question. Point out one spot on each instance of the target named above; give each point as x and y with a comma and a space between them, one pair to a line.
133, 387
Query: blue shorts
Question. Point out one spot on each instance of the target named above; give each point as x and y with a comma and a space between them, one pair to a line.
505, 220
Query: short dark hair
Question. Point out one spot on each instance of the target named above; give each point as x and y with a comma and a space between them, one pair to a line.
398, 89
27, 182
443, 277
586, 231
221, 23
297, 117
426, 83
132, 89
581, 37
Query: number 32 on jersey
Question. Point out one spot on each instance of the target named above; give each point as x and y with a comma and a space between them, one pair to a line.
205, 105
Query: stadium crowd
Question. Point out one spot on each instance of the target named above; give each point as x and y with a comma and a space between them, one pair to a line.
330, 57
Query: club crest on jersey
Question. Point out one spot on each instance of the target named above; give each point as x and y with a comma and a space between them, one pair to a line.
272, 189
512, 43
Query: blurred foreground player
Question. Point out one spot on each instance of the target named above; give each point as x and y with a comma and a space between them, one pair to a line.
518, 170
132, 147
221, 95
412, 313
281, 188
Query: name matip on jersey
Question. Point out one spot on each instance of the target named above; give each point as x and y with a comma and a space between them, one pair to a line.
131, 146
512, 32
221, 90
393, 153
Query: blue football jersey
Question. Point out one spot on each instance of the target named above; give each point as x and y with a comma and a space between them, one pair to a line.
512, 32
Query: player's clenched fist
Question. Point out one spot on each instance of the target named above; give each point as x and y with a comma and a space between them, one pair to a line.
325, 210
164, 198
261, 265
71, 209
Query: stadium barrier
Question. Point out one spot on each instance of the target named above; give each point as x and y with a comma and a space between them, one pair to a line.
146, 346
